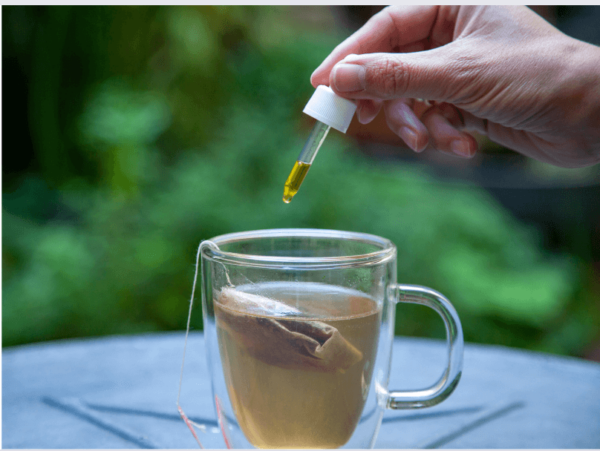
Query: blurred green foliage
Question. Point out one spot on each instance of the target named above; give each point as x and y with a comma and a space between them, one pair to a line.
189, 132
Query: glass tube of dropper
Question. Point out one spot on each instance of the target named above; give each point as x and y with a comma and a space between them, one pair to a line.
305, 159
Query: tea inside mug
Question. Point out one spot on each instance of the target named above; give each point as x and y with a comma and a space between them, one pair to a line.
298, 360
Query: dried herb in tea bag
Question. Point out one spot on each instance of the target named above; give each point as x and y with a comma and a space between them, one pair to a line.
279, 340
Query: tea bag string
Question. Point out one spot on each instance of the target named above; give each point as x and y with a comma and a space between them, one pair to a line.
190, 424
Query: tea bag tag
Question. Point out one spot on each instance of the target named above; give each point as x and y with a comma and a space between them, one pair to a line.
190, 424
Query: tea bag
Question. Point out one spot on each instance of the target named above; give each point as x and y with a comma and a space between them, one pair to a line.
287, 343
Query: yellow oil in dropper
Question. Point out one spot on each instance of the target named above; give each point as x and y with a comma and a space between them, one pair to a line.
294, 180
305, 159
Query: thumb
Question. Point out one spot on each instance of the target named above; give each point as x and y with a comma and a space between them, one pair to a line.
438, 74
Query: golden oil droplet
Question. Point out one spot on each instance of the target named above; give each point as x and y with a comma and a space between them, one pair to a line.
294, 180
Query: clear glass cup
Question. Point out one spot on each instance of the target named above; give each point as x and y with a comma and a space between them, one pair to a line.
299, 326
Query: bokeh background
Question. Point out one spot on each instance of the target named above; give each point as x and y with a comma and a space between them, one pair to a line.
130, 134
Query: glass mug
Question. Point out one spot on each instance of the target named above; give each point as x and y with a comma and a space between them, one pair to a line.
299, 327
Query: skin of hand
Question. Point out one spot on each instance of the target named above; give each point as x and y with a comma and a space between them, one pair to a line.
502, 71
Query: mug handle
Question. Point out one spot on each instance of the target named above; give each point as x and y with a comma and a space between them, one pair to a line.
446, 384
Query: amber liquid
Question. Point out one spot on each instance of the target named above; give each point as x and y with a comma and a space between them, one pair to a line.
294, 180
279, 407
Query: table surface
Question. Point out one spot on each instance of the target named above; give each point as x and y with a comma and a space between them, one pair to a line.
120, 392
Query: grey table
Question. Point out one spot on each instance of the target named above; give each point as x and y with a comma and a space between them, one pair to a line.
120, 392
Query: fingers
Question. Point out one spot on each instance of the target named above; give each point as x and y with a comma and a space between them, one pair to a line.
367, 110
443, 74
403, 121
387, 31
422, 126
443, 123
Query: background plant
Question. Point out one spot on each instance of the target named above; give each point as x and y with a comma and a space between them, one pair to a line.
187, 130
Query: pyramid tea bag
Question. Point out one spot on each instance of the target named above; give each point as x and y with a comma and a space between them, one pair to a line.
265, 329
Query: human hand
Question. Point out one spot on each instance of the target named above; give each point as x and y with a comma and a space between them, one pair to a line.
502, 71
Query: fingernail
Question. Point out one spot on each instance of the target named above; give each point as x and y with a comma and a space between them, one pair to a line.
362, 118
409, 137
359, 112
351, 57
349, 77
461, 148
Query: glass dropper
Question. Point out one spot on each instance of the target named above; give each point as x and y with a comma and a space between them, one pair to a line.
330, 111
305, 159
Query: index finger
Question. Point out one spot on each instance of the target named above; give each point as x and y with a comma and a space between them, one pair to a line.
393, 27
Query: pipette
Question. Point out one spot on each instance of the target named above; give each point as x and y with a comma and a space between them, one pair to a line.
305, 159
330, 111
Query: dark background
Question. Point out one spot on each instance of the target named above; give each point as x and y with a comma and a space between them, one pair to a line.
129, 134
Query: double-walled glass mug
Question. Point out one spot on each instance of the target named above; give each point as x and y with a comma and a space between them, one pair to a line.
299, 326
